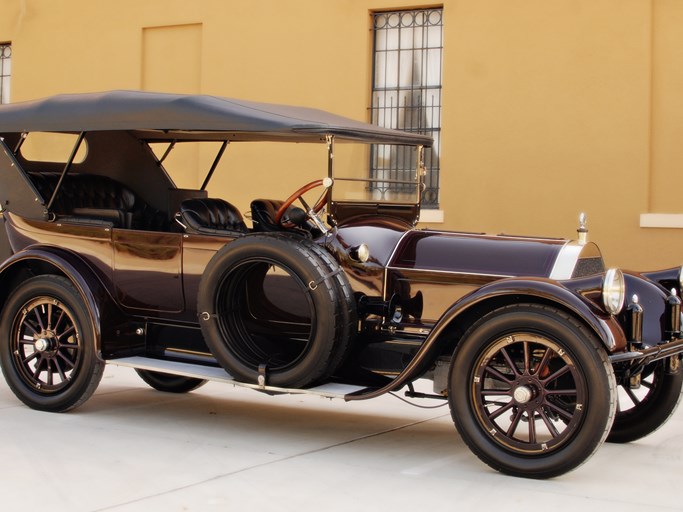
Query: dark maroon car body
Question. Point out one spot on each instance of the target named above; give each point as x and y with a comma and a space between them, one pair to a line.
528, 321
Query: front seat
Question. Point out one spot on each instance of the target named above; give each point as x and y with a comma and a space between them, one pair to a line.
263, 213
213, 216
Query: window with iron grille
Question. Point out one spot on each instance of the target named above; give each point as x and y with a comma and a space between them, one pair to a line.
406, 91
5, 71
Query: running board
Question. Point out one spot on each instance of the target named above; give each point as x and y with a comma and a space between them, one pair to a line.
197, 371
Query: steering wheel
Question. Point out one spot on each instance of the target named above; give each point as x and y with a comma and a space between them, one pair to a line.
310, 212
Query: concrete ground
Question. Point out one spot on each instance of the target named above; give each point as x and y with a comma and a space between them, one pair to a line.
130, 448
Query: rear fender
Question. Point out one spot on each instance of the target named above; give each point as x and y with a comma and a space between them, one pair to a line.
56, 261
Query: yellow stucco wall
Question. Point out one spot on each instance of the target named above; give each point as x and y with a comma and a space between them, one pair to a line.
550, 107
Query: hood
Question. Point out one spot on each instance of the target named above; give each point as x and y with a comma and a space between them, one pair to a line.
500, 256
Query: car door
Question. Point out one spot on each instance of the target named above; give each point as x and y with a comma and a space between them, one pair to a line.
147, 270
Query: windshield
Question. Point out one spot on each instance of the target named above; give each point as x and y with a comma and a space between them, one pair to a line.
376, 173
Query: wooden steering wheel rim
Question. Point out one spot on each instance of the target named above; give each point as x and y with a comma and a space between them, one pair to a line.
288, 202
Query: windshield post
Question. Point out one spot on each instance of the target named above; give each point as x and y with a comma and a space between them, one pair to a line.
421, 173
330, 155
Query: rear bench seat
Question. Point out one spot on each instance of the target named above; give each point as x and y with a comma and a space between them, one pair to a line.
97, 199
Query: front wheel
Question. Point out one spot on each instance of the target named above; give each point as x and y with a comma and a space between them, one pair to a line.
642, 411
531, 391
47, 345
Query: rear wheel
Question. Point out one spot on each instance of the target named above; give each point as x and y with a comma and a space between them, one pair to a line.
170, 383
47, 345
531, 391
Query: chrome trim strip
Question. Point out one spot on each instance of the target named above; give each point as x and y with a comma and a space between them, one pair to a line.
449, 272
556, 241
566, 260
389, 259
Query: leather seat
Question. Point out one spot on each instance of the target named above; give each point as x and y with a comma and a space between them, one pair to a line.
263, 213
210, 216
88, 198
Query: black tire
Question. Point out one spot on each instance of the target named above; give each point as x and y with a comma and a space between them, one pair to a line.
170, 383
270, 300
531, 391
641, 412
47, 345
346, 303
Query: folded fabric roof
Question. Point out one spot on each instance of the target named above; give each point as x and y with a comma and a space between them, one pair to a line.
185, 116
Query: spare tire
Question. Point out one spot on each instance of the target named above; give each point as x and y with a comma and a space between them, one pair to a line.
346, 303
271, 305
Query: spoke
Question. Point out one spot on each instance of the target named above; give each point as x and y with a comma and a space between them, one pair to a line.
527, 369
67, 331
515, 423
50, 373
40, 320
39, 369
509, 361
548, 423
496, 392
497, 374
559, 373
532, 426
62, 314
30, 358
632, 395
59, 370
646, 384
561, 392
49, 316
566, 415
544, 362
68, 361
500, 411
27, 323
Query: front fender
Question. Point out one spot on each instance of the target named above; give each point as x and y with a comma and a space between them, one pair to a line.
53, 260
498, 294
544, 290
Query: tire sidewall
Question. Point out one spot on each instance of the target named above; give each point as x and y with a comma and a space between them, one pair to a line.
582, 348
89, 370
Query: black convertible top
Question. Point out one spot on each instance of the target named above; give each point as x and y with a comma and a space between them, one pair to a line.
158, 116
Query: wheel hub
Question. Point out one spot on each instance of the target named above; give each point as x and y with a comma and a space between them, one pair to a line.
523, 394
44, 344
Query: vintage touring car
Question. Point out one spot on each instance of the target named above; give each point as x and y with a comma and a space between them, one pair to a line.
541, 352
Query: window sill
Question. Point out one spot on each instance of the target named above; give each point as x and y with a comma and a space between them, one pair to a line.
661, 220
432, 216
